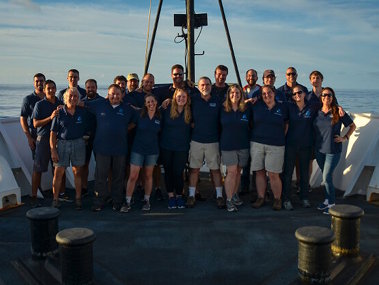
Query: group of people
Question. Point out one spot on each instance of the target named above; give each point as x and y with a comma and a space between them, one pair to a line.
254, 129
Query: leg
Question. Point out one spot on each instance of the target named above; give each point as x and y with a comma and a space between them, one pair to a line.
36, 182
57, 181
103, 165
230, 181
261, 182
304, 157
238, 180
118, 174
167, 160
289, 164
133, 176
78, 181
276, 184
148, 179
331, 162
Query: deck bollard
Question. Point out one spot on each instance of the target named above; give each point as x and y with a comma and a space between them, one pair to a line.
75, 248
346, 221
43, 229
314, 256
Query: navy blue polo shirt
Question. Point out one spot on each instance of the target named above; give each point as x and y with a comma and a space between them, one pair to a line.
91, 118
287, 91
176, 134
42, 110
146, 141
27, 108
82, 93
70, 127
300, 125
268, 125
111, 127
220, 92
234, 129
136, 99
206, 118
325, 132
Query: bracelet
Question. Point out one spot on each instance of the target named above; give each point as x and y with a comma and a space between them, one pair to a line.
345, 136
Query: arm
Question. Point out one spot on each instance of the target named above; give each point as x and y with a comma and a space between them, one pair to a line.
53, 146
346, 137
42, 122
25, 129
285, 128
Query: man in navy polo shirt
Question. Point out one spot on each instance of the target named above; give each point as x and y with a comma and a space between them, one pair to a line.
120, 80
44, 112
72, 79
291, 77
177, 75
269, 78
132, 82
205, 139
110, 146
26, 119
219, 88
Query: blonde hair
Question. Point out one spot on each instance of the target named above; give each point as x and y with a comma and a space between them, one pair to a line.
174, 113
67, 92
228, 104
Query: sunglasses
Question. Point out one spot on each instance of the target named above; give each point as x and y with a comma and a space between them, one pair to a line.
177, 74
326, 95
297, 93
291, 73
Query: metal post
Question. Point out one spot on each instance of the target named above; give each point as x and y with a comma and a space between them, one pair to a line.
190, 41
153, 37
229, 42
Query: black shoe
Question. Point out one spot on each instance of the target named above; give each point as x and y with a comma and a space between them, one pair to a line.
84, 192
158, 194
97, 208
116, 207
63, 197
34, 203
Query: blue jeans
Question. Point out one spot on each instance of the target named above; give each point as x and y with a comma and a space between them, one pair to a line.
327, 163
304, 155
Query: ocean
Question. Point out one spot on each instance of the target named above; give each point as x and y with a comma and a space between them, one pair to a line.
354, 101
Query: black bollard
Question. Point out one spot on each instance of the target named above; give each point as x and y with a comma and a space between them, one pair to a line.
346, 221
314, 256
75, 248
43, 229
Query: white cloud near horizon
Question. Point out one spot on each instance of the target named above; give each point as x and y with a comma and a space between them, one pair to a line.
103, 41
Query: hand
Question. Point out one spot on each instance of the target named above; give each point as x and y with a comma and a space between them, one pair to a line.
252, 100
54, 114
31, 142
54, 155
339, 139
166, 103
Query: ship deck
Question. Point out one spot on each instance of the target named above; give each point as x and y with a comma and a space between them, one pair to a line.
204, 245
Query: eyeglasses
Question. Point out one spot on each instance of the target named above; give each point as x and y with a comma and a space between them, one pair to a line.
327, 95
297, 93
291, 73
177, 74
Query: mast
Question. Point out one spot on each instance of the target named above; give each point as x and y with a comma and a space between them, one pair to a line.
190, 40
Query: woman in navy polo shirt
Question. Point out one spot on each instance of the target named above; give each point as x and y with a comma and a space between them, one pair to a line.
299, 143
145, 151
328, 142
67, 144
234, 142
175, 143
269, 119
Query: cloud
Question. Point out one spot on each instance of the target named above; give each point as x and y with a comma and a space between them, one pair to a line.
29, 4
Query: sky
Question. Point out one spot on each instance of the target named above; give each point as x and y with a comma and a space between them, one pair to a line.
103, 39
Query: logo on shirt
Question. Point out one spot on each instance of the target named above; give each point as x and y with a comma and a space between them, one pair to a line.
102, 114
244, 118
157, 122
278, 112
307, 114
79, 120
120, 112
213, 105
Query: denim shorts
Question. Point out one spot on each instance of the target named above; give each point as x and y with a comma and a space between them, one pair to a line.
143, 160
73, 151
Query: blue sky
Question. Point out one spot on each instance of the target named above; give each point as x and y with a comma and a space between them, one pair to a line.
339, 38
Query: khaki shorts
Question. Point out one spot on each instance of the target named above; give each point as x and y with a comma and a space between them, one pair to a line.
268, 157
235, 157
204, 151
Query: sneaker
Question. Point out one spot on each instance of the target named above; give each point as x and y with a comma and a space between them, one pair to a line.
78, 204
146, 206
63, 197
190, 202
56, 204
258, 203
116, 207
97, 208
198, 197
34, 202
172, 203
158, 194
306, 203
125, 208
220, 202
236, 200
180, 202
323, 206
326, 210
231, 207
277, 205
288, 205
